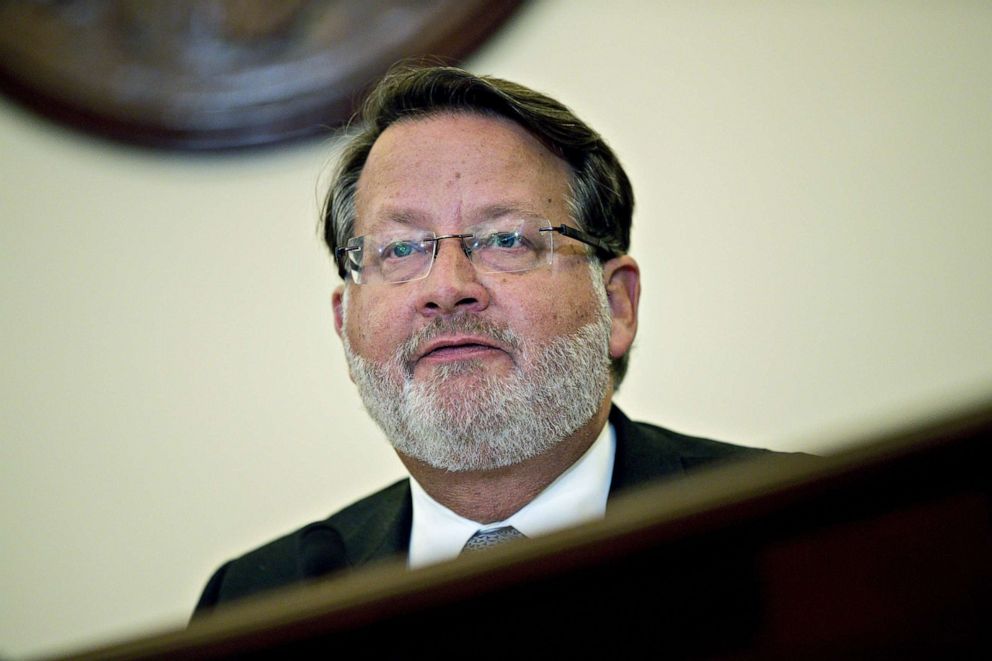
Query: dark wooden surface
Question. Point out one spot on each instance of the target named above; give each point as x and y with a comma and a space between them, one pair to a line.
881, 551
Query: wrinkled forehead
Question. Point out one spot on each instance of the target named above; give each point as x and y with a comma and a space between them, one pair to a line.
450, 168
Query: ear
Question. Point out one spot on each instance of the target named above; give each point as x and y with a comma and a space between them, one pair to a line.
622, 278
337, 302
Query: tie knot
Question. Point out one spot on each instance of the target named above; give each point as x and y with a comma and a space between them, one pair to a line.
485, 539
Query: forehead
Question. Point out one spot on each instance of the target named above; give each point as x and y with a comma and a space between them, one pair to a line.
447, 169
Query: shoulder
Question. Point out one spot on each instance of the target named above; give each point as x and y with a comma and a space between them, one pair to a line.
694, 450
647, 452
369, 528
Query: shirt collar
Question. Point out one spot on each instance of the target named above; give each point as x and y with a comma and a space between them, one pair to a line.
577, 496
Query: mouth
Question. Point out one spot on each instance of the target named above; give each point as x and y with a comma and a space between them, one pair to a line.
449, 349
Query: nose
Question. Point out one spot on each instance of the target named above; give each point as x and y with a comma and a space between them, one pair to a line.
453, 285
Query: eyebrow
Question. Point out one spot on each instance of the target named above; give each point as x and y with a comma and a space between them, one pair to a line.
414, 218
398, 216
405, 217
499, 210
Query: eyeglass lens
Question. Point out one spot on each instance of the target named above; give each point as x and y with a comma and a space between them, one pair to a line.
498, 246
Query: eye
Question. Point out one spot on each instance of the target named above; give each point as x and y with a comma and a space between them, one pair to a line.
400, 249
504, 240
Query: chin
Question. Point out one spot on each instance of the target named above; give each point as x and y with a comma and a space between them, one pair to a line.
458, 369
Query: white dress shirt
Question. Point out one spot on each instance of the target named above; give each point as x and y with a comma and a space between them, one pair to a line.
577, 496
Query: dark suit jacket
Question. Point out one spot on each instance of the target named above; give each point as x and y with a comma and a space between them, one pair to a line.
378, 527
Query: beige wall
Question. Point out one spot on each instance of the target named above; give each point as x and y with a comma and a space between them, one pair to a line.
814, 223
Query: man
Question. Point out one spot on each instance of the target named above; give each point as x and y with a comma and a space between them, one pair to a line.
487, 313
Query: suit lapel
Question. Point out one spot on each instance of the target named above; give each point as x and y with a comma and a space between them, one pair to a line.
379, 526
642, 456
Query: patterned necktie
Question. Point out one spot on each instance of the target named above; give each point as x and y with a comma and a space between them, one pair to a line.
485, 539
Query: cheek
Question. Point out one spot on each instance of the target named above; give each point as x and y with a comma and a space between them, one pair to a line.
549, 308
374, 331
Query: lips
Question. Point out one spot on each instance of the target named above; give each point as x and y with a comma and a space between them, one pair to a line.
457, 348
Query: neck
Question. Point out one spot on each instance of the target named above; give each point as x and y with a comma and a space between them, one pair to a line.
495, 495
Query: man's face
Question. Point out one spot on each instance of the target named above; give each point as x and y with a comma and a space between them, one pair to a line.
466, 349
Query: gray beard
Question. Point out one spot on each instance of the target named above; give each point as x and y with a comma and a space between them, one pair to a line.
465, 418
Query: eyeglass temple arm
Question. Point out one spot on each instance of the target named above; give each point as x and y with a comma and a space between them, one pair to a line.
579, 235
339, 254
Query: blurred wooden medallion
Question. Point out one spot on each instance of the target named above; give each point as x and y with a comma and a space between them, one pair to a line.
220, 74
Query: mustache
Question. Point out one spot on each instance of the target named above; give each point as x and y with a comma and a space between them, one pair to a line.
470, 325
